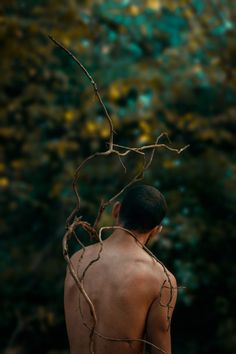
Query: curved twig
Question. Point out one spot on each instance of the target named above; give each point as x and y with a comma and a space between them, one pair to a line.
73, 221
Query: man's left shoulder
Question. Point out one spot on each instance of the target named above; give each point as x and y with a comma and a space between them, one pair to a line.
161, 276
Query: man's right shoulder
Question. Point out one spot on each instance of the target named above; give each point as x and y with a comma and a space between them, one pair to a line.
86, 250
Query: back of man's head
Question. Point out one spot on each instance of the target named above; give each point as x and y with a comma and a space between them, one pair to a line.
143, 208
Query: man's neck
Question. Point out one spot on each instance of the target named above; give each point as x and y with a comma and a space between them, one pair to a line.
128, 237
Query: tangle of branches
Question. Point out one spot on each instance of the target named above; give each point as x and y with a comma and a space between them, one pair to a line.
74, 221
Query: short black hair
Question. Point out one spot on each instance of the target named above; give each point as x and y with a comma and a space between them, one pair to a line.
142, 208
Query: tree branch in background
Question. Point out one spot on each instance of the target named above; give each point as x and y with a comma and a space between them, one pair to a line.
75, 221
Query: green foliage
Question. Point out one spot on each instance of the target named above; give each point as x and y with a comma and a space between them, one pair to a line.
160, 66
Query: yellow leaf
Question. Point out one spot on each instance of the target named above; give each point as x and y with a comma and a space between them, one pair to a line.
7, 132
145, 126
168, 164
188, 12
105, 132
173, 5
114, 92
4, 182
134, 10
208, 134
154, 5
144, 138
69, 116
91, 127
66, 41
17, 164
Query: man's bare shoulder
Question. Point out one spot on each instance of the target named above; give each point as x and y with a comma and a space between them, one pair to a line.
88, 251
141, 269
161, 270
158, 274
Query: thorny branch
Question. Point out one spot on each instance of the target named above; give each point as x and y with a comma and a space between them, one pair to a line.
73, 222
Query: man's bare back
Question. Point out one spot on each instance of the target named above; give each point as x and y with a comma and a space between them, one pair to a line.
124, 286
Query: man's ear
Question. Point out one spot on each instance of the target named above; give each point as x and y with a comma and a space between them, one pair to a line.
116, 210
156, 230
159, 229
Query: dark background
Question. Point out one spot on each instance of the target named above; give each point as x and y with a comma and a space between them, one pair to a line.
161, 66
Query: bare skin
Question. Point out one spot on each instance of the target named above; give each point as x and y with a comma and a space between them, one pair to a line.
124, 286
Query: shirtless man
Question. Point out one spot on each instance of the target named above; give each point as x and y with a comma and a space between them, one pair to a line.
124, 285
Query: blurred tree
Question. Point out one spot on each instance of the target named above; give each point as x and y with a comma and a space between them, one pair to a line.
161, 66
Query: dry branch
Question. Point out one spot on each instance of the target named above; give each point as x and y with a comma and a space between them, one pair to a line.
73, 221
